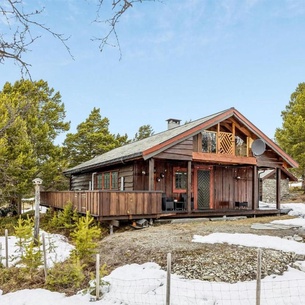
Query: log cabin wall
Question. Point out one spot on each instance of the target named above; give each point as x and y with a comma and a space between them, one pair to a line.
127, 172
80, 182
83, 181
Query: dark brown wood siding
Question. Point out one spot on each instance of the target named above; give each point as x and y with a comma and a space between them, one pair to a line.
181, 151
233, 184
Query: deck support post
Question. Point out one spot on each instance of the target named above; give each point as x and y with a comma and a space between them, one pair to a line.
151, 183
189, 185
278, 188
111, 229
255, 188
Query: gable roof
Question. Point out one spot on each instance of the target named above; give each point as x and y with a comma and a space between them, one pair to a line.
156, 143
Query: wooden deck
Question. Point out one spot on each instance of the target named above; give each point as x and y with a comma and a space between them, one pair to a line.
106, 206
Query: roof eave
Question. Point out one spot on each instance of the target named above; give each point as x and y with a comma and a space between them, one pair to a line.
92, 167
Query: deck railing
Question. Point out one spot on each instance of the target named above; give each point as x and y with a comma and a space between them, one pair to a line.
107, 204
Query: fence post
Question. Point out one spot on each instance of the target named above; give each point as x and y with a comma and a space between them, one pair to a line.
97, 278
258, 276
37, 183
6, 248
168, 278
44, 256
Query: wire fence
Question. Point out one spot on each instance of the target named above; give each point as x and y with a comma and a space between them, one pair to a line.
153, 291
151, 286
172, 289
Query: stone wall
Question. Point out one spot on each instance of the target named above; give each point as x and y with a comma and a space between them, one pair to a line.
269, 190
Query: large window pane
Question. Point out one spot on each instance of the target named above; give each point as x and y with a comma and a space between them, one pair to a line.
114, 180
99, 181
107, 181
180, 180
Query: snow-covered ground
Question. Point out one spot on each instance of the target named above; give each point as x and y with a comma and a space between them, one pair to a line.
146, 284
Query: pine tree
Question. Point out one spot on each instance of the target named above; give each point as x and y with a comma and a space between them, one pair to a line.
92, 138
144, 131
291, 137
32, 116
85, 237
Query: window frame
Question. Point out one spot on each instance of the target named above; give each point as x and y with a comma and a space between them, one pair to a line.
107, 180
183, 171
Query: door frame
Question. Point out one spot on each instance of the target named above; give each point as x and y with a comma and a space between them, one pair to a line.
211, 170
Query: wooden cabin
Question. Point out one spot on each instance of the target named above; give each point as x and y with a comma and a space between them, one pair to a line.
208, 167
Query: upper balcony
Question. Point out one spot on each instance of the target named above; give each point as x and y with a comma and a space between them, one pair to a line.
223, 147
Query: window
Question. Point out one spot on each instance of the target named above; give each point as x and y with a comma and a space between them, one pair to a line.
180, 180
107, 181
209, 143
99, 180
114, 180
240, 147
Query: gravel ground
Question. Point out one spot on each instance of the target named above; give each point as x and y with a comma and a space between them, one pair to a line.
215, 262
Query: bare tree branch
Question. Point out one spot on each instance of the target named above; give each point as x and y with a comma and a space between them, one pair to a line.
119, 7
21, 23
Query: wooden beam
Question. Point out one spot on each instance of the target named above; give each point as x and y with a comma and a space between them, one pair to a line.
255, 188
151, 174
218, 138
189, 186
226, 159
278, 187
233, 132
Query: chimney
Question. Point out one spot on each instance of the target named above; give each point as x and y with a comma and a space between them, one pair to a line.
172, 123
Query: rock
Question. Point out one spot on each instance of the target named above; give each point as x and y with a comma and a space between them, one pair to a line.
298, 238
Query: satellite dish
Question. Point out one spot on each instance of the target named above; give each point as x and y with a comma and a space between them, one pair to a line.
258, 147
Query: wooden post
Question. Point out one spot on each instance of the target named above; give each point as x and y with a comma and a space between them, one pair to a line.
258, 276
6, 248
168, 279
97, 279
37, 182
151, 175
255, 189
44, 257
189, 186
278, 188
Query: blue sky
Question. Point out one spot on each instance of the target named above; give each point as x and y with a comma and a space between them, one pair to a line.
180, 59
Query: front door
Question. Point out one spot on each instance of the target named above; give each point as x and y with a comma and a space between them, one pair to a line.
203, 189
